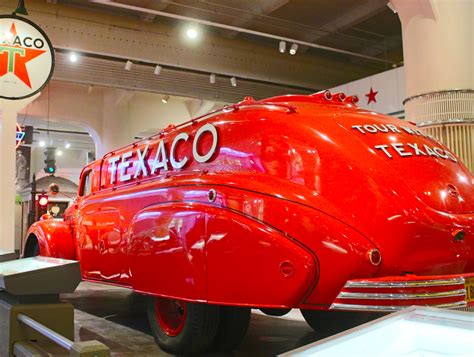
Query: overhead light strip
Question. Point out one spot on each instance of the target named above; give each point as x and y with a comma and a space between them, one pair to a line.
238, 29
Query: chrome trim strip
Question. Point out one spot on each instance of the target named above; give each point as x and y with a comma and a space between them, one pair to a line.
390, 308
404, 284
451, 122
429, 94
388, 296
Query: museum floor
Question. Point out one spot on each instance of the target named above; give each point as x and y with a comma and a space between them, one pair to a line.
116, 317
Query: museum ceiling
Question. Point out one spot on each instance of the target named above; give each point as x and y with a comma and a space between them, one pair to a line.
367, 28
338, 41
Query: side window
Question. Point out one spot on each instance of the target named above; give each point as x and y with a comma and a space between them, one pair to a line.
86, 184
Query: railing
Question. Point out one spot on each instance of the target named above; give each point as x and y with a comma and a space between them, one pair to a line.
449, 116
96, 348
46, 332
442, 107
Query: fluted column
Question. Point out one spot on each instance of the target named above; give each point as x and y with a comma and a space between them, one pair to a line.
438, 48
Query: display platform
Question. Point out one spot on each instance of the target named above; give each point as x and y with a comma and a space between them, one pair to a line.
413, 332
39, 276
6, 256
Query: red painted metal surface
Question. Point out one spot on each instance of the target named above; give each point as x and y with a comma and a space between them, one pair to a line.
278, 203
54, 238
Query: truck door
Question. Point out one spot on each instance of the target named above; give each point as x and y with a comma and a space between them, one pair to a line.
87, 229
112, 256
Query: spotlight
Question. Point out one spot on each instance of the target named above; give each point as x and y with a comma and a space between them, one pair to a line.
59, 152
73, 57
157, 70
128, 65
42, 143
192, 33
212, 78
293, 49
282, 46
67, 145
165, 99
233, 81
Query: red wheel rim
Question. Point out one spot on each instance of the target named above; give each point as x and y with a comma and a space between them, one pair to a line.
171, 315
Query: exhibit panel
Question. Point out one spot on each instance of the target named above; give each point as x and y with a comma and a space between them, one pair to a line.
187, 162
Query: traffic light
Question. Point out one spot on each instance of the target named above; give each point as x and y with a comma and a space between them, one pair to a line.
50, 161
43, 200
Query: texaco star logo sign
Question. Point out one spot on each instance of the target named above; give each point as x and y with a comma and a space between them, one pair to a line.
26, 58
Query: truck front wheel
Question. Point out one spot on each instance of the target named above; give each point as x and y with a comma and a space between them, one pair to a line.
32, 248
181, 327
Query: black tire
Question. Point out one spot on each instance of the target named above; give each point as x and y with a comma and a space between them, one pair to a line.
275, 312
197, 334
32, 248
330, 322
233, 326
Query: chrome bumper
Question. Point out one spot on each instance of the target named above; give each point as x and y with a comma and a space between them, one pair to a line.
396, 293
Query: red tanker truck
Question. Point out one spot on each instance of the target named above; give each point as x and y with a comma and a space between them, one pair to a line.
295, 201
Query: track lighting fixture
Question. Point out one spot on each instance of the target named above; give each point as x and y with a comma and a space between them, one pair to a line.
165, 99
128, 65
233, 82
293, 49
212, 78
157, 70
282, 46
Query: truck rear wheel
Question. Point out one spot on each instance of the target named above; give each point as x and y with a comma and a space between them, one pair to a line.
330, 322
181, 327
233, 326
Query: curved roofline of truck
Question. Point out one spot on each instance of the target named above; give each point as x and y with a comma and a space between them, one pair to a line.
273, 103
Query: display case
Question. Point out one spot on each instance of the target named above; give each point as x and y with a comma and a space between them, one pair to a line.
413, 332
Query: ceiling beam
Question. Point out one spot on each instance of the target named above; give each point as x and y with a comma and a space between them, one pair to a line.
353, 16
262, 7
98, 73
234, 28
159, 5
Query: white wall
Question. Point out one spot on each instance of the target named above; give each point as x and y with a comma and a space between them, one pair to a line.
69, 165
148, 112
390, 86
112, 117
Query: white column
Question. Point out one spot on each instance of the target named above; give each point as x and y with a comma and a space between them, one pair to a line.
115, 120
438, 50
8, 118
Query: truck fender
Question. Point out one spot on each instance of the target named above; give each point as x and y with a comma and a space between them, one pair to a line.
167, 251
49, 238
199, 252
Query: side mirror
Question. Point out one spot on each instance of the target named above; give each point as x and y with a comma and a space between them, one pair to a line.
54, 189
